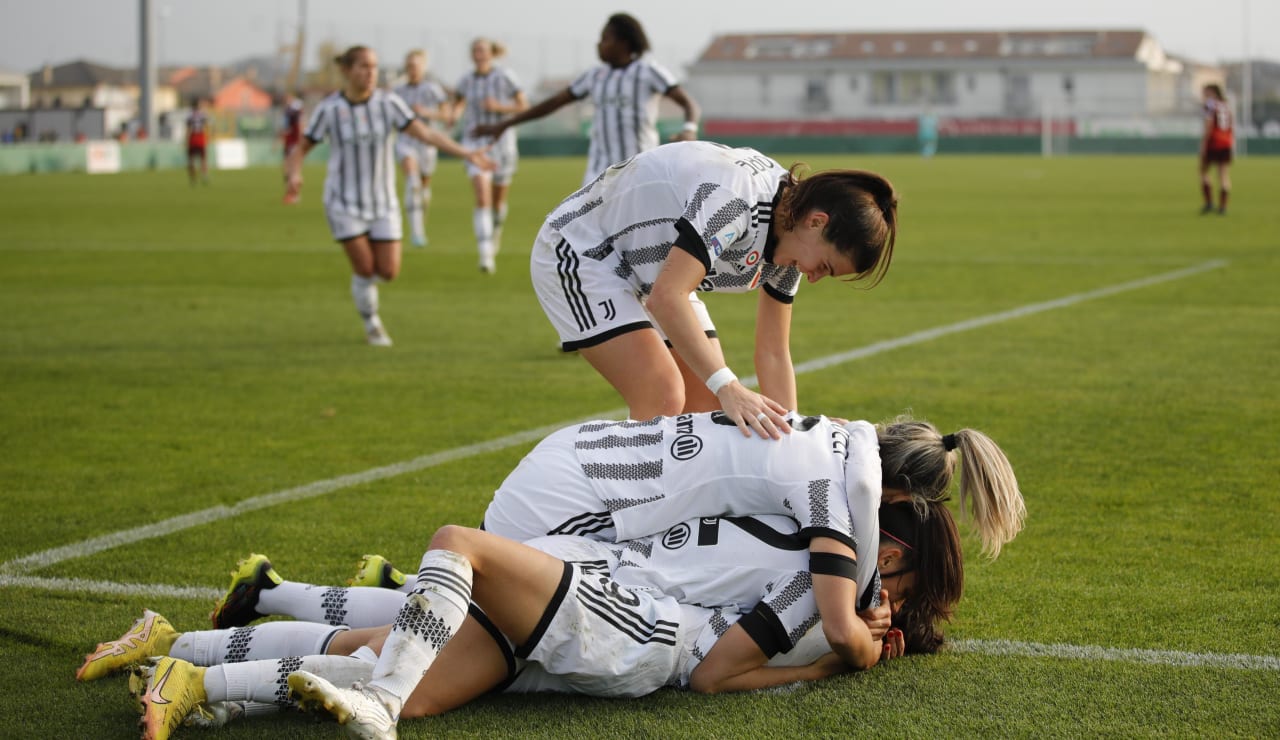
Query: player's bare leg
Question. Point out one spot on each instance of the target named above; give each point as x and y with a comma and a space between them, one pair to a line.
642, 369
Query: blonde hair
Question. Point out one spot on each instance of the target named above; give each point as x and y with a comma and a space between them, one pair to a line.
915, 458
497, 49
416, 54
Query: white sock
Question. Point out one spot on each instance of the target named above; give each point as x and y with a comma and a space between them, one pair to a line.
482, 224
413, 204
267, 681
431, 615
364, 291
356, 606
240, 644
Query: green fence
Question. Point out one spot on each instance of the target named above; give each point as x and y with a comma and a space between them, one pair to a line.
39, 158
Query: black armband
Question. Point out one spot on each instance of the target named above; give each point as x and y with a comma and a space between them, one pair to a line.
831, 564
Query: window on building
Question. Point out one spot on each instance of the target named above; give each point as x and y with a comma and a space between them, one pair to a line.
970, 45
883, 88
899, 47
939, 46
816, 97
913, 88
868, 47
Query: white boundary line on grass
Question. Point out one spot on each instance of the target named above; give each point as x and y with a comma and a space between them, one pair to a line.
1125, 655
11, 572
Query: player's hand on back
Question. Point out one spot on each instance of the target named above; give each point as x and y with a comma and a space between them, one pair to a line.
753, 412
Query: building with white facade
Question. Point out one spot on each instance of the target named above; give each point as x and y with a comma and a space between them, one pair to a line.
958, 76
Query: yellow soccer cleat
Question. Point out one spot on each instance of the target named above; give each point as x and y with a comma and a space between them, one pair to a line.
374, 571
174, 690
150, 635
236, 607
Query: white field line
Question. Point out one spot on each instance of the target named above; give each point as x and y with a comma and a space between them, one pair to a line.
1124, 655
24, 565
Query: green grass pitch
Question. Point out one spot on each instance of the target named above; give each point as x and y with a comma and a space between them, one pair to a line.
167, 349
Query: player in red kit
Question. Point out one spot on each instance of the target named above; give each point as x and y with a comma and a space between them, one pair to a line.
291, 132
197, 142
1215, 147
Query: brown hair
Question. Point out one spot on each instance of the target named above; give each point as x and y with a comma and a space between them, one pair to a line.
347, 59
1216, 89
863, 210
629, 30
938, 562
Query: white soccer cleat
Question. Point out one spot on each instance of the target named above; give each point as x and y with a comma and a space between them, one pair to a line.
487, 265
378, 337
357, 709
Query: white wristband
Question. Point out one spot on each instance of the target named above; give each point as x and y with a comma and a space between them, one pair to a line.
690, 126
720, 379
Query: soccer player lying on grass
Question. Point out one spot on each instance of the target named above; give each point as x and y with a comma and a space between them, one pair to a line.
624, 480
641, 639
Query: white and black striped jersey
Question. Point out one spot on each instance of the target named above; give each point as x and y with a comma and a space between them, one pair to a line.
713, 201
750, 571
626, 110
498, 83
651, 474
361, 179
730, 562
426, 94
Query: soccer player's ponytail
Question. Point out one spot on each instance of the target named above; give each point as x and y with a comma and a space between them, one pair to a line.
916, 458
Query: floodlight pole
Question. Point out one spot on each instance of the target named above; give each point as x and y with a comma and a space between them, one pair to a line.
146, 68
1246, 84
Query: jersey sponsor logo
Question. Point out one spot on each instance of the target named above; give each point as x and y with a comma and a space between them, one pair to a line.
686, 447
677, 537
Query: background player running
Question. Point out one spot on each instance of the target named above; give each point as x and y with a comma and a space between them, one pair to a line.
484, 95
427, 99
624, 93
360, 188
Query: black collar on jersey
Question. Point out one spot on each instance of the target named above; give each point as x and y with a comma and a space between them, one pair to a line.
770, 239
900, 523
343, 93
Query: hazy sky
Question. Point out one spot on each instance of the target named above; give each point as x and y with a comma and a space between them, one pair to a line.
556, 37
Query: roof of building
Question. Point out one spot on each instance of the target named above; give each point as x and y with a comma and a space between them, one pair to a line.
1080, 44
80, 73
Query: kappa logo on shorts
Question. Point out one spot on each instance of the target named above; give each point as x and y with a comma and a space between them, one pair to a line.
686, 447
676, 537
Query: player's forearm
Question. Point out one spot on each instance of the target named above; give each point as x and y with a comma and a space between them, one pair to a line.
766, 676
675, 315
